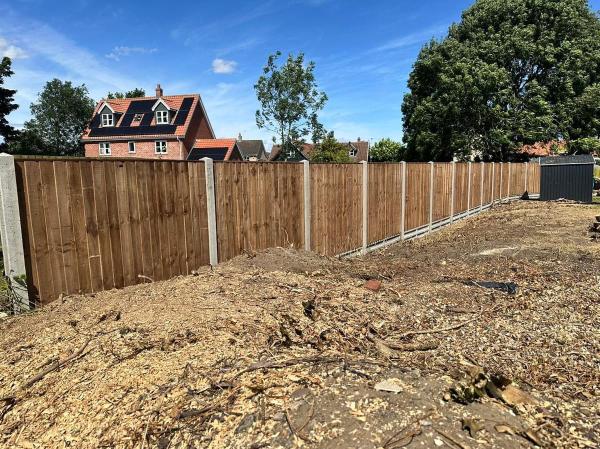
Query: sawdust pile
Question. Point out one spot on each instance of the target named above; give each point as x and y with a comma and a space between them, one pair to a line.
483, 335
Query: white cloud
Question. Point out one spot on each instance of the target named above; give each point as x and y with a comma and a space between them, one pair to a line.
223, 66
12, 51
118, 52
412, 39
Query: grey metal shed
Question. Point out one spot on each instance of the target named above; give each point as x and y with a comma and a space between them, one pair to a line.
568, 177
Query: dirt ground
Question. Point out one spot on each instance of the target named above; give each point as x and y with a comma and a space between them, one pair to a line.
482, 335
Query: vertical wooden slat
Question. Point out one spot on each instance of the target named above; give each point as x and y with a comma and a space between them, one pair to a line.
103, 223
113, 206
91, 226
52, 223
125, 236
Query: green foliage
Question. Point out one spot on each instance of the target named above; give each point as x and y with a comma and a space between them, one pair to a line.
330, 150
585, 145
290, 99
7, 105
58, 119
387, 150
135, 93
512, 72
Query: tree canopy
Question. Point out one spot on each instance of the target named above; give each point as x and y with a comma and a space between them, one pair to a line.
330, 150
135, 93
7, 105
512, 72
387, 150
59, 117
290, 100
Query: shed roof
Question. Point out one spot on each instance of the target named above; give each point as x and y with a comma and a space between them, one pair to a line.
576, 159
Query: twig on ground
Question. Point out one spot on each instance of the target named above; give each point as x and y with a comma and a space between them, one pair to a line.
56, 365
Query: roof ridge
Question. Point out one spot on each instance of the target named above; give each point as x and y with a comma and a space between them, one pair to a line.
148, 98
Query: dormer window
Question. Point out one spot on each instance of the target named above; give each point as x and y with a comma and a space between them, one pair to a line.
352, 152
108, 120
162, 117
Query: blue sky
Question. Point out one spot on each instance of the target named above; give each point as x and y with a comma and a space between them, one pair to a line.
364, 51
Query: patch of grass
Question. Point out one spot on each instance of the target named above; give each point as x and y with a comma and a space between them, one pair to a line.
596, 199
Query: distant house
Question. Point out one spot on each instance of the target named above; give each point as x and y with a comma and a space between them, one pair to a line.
357, 151
542, 149
252, 150
300, 154
216, 149
159, 127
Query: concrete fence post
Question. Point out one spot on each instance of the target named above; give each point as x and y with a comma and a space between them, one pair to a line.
307, 205
452, 191
469, 189
365, 206
12, 238
501, 181
211, 211
492, 201
431, 185
482, 185
403, 210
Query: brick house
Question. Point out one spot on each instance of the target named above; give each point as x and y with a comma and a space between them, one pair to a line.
159, 127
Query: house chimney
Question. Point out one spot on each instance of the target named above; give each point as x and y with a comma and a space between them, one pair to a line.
159, 91
358, 139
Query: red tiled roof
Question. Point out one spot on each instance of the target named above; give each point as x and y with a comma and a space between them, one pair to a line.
540, 149
120, 105
217, 143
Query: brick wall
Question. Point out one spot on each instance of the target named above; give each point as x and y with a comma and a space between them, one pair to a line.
143, 150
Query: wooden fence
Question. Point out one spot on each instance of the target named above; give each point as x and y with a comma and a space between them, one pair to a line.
89, 225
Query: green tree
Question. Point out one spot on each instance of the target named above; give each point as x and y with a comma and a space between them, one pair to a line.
387, 150
512, 72
290, 100
585, 145
59, 117
330, 150
7, 105
135, 93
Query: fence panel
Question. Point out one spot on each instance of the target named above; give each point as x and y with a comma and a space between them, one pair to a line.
90, 225
442, 190
336, 199
461, 188
417, 195
259, 205
533, 178
385, 201
94, 225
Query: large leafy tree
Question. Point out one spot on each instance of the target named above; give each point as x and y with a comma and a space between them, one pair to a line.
290, 100
135, 93
59, 117
512, 72
7, 105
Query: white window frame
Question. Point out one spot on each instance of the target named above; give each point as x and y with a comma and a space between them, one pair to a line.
162, 117
108, 120
160, 147
129, 145
104, 149
352, 152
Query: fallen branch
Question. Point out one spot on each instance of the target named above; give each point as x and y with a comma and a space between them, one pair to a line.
448, 328
389, 349
300, 361
57, 365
